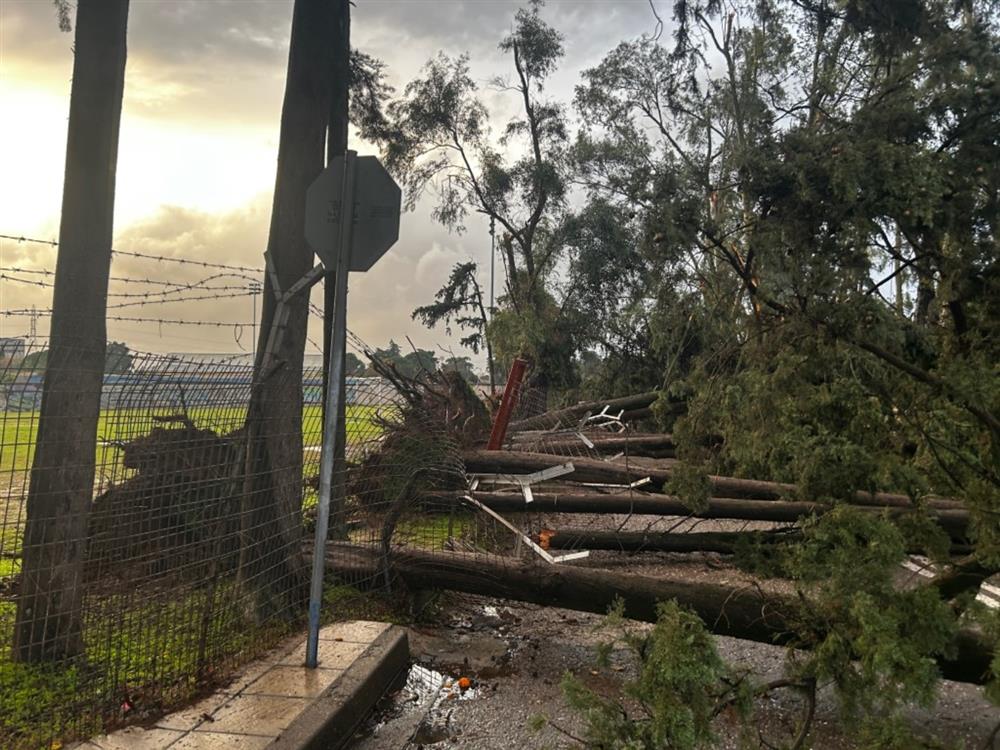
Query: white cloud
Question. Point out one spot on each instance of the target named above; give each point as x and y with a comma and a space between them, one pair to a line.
204, 83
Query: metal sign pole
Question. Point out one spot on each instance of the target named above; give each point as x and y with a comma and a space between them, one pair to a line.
338, 337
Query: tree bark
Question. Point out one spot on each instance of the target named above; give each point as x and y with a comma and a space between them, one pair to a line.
271, 531
652, 446
49, 605
740, 612
720, 542
955, 522
574, 413
595, 470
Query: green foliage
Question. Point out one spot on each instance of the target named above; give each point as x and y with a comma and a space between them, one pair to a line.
680, 686
441, 137
805, 414
691, 485
410, 364
988, 620
542, 334
818, 213
462, 366
681, 672
36, 361
460, 301
876, 642
353, 366
117, 360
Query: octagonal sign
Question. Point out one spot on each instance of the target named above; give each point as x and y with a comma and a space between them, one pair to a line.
377, 201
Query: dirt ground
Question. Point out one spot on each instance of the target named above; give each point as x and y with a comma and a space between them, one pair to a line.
514, 655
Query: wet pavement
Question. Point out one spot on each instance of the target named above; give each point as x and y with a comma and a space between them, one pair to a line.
514, 656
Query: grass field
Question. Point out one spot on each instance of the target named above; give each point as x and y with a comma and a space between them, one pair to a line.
18, 430
17, 443
144, 644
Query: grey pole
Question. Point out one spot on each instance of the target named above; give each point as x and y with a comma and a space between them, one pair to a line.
338, 337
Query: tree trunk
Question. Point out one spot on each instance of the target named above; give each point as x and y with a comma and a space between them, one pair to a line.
49, 605
651, 446
572, 414
271, 530
720, 542
336, 145
741, 612
595, 470
955, 522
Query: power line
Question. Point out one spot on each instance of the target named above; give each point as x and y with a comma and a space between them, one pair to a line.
146, 256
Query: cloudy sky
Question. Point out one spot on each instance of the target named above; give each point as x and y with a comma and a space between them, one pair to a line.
204, 82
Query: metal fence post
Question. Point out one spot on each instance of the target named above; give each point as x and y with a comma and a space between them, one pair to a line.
338, 336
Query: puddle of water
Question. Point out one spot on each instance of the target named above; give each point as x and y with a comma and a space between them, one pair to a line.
427, 692
429, 683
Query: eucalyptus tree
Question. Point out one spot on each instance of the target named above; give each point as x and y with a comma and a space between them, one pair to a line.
440, 140
270, 567
460, 301
788, 163
48, 624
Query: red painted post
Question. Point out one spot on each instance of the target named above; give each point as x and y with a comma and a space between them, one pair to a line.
511, 392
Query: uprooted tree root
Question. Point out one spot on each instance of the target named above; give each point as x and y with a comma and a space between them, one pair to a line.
420, 449
182, 497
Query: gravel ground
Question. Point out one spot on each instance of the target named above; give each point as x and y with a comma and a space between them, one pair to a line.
515, 654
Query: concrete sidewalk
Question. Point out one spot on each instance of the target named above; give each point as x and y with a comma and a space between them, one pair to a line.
277, 703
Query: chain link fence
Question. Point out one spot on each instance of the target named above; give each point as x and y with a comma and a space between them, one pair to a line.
187, 567
193, 552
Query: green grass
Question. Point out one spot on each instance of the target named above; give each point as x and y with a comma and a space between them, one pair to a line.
149, 652
153, 651
342, 602
153, 646
18, 430
431, 531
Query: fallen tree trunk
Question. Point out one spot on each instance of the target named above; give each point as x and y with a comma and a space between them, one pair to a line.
653, 446
549, 419
740, 612
595, 470
721, 542
955, 522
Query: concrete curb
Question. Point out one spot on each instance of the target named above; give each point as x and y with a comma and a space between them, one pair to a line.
330, 721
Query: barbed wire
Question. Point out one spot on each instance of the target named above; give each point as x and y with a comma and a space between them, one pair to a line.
195, 298
146, 256
199, 286
159, 321
138, 280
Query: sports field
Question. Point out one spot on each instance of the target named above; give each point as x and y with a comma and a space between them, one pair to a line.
117, 426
